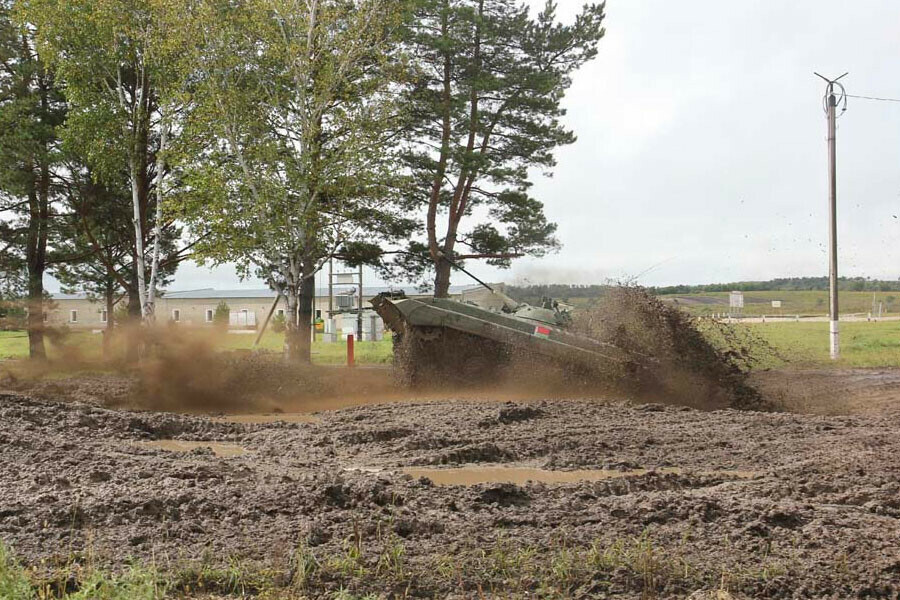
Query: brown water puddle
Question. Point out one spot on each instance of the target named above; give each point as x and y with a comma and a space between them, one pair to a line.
520, 475
220, 449
255, 419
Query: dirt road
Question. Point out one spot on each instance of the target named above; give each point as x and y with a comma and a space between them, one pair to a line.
774, 505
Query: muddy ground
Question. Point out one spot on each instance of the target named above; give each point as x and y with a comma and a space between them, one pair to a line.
774, 505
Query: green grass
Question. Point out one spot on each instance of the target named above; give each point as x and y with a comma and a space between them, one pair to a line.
13, 344
322, 353
863, 344
792, 303
14, 582
136, 583
88, 347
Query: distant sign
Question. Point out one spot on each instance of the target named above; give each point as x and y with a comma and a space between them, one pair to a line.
776, 303
736, 299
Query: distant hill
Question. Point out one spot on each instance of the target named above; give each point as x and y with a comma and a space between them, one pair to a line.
788, 284
533, 293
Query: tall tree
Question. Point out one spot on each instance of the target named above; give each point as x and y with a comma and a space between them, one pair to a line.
31, 111
12, 277
115, 59
294, 107
94, 253
487, 106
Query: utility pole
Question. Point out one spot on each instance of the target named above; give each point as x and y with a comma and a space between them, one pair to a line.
359, 312
831, 104
330, 287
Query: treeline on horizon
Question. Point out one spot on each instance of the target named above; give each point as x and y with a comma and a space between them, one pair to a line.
784, 284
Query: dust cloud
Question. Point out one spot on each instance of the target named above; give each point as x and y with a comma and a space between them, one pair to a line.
672, 358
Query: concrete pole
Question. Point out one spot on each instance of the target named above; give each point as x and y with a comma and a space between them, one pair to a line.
832, 229
330, 287
359, 316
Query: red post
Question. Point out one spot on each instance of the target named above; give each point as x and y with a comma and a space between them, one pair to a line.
350, 361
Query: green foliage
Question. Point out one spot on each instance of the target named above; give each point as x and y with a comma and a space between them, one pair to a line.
116, 60
14, 583
222, 315
287, 149
31, 111
135, 584
278, 323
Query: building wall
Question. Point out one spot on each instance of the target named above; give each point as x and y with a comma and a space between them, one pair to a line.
191, 311
88, 314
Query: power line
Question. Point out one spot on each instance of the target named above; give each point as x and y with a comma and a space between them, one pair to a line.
874, 98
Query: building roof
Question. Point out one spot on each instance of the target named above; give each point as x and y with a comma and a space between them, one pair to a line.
214, 294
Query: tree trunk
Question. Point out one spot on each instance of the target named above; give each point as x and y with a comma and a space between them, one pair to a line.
36, 255
441, 282
109, 293
442, 279
157, 225
297, 334
133, 342
139, 264
307, 305
292, 341
36, 313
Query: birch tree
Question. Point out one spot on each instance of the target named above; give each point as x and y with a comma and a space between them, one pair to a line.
296, 116
114, 58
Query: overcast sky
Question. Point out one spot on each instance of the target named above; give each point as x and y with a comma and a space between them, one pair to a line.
701, 154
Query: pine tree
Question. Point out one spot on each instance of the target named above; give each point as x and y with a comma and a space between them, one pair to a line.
31, 111
486, 108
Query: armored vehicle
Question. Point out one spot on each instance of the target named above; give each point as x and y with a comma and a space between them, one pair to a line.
439, 339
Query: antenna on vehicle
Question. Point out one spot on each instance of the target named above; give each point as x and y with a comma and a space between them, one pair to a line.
456, 266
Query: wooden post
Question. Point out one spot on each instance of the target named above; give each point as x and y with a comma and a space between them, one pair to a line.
350, 357
265, 324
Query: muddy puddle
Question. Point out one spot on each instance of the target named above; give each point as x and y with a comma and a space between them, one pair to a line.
520, 475
256, 419
220, 449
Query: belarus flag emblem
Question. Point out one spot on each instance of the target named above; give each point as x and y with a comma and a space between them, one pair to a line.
542, 331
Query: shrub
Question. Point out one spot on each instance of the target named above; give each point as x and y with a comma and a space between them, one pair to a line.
278, 323
222, 315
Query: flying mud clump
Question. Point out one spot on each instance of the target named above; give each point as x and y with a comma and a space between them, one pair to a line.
677, 358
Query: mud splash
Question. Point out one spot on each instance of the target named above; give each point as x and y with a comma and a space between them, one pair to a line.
683, 360
468, 476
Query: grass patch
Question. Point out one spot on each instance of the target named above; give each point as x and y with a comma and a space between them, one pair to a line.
14, 582
863, 344
135, 583
377, 567
13, 344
